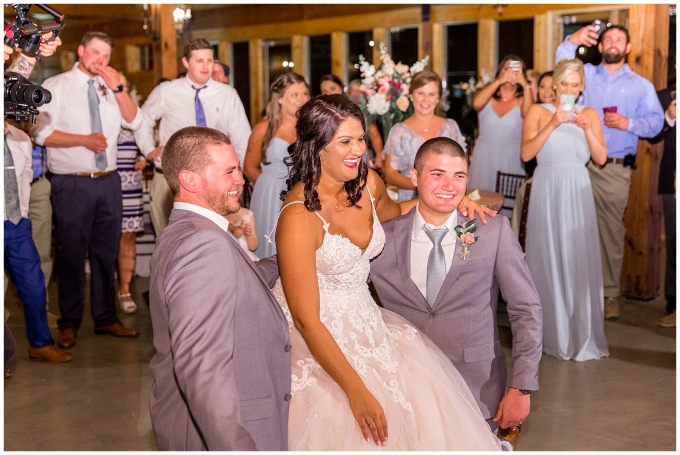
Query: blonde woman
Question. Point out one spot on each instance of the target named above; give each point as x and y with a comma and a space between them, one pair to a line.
562, 243
406, 137
267, 148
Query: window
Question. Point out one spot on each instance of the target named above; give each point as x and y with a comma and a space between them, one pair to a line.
277, 61
403, 45
517, 37
461, 65
240, 73
319, 60
358, 43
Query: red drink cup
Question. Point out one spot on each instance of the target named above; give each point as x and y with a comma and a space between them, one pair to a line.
609, 109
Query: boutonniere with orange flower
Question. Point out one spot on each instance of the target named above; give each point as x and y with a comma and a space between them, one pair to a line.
465, 232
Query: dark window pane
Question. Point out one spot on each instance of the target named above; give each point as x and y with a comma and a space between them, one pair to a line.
517, 37
279, 59
672, 46
461, 64
357, 44
319, 60
240, 73
404, 45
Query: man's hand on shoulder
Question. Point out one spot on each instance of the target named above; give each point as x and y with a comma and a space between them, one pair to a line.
586, 36
513, 409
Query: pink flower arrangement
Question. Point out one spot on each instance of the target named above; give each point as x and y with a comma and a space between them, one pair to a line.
466, 234
468, 238
384, 92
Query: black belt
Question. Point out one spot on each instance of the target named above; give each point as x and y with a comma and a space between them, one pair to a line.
615, 160
160, 171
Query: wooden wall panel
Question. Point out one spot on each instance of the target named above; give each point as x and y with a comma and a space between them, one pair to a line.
257, 88
487, 45
642, 254
380, 35
299, 45
339, 54
544, 54
437, 56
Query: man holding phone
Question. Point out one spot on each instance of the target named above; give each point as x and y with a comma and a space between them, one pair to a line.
631, 110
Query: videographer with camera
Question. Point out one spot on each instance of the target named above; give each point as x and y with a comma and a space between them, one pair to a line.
80, 128
22, 261
631, 110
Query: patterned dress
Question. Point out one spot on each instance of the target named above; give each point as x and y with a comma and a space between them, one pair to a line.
427, 404
131, 183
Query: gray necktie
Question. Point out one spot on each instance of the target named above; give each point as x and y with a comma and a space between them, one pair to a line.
436, 265
12, 207
96, 123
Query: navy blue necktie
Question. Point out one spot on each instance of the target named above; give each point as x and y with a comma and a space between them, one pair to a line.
200, 115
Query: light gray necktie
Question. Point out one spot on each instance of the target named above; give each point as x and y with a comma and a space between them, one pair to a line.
436, 264
96, 123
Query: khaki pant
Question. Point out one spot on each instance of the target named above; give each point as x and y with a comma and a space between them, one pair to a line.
611, 186
161, 202
40, 214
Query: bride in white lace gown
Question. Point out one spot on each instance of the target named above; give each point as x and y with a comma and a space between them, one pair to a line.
363, 378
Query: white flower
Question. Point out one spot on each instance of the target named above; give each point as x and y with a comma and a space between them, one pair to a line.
377, 104
419, 66
401, 68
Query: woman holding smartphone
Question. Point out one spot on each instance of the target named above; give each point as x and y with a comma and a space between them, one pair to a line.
562, 246
501, 107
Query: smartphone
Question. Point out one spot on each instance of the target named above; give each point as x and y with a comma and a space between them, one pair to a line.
598, 26
569, 100
514, 65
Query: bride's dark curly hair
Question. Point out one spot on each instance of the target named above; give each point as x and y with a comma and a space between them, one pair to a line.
317, 124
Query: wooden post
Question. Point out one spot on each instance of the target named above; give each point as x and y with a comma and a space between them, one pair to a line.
257, 88
379, 36
165, 48
224, 52
640, 278
299, 45
425, 35
437, 59
339, 55
487, 47
544, 55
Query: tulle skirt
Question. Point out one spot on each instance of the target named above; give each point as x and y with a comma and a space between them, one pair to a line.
427, 404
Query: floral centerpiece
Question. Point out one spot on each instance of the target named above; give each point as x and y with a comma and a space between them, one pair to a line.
384, 92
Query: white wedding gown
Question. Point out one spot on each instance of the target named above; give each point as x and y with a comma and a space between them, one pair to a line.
427, 404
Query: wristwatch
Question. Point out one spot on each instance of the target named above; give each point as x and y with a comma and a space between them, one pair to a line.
524, 391
118, 89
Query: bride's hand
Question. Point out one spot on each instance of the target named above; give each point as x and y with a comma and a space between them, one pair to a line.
468, 206
369, 415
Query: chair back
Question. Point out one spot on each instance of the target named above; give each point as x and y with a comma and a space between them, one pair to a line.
507, 184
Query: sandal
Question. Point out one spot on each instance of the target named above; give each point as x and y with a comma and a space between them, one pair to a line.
126, 303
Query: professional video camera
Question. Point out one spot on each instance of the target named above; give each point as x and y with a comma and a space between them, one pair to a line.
22, 98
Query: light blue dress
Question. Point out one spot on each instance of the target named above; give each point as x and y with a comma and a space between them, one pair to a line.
563, 248
403, 143
265, 201
496, 149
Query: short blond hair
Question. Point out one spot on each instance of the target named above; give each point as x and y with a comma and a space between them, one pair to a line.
564, 67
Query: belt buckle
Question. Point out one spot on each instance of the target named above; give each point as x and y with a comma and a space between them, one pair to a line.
92, 175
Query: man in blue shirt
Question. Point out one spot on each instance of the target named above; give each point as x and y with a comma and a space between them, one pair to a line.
630, 110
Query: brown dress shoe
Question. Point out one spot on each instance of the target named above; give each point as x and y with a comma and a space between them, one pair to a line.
51, 353
611, 308
510, 434
67, 338
117, 330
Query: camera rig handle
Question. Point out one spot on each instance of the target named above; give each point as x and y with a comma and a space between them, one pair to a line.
27, 35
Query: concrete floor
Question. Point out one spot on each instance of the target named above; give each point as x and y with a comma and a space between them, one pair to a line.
100, 400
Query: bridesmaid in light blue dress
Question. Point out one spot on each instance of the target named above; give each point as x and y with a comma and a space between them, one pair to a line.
562, 243
267, 149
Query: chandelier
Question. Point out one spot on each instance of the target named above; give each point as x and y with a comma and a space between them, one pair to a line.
181, 16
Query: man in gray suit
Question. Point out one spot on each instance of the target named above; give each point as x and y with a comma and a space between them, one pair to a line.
222, 364
452, 296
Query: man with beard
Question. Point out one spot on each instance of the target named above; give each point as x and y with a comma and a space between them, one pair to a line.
222, 362
631, 110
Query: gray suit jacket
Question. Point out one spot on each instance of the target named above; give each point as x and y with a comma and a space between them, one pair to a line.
222, 363
462, 321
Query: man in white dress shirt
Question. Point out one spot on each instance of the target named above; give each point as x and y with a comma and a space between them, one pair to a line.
80, 128
194, 100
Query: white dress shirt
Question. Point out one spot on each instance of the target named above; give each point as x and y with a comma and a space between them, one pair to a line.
20, 147
173, 103
69, 112
421, 245
215, 217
